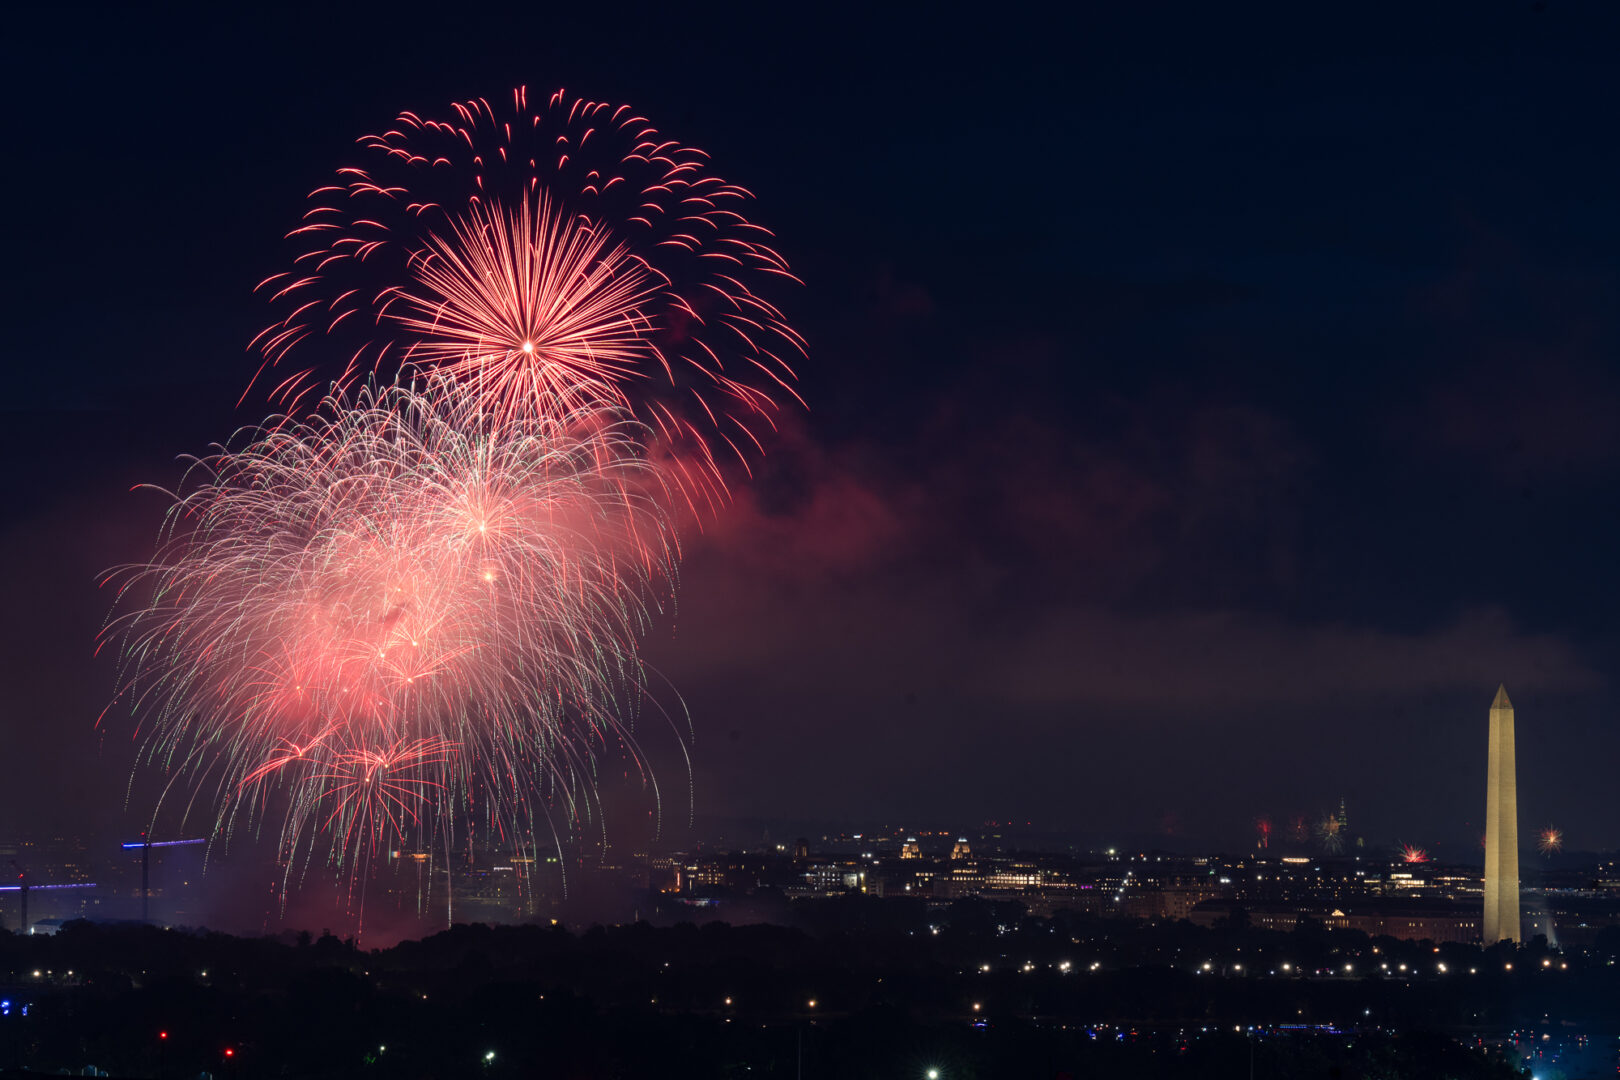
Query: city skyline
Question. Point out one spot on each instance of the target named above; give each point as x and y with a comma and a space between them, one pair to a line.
745, 877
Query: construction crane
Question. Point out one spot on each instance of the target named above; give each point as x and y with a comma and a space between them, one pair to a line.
146, 844
23, 888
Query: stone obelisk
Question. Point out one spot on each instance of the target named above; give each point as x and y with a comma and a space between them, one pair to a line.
1501, 828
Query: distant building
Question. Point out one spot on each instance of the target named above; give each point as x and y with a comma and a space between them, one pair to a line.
1436, 921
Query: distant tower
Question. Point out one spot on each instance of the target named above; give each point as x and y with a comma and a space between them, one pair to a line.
1501, 828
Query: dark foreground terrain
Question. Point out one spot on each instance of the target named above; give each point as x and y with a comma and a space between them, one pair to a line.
858, 988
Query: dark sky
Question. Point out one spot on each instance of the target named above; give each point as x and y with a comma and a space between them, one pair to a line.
1210, 404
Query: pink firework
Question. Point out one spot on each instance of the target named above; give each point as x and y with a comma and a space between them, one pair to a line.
372, 794
1412, 854
382, 613
542, 258
530, 309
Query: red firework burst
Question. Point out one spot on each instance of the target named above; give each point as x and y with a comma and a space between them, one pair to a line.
381, 608
537, 258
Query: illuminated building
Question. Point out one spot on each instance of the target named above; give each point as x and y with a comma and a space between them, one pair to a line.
830, 879
1501, 921
1435, 921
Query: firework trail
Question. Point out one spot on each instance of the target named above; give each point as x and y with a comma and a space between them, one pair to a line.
541, 258
383, 617
1550, 840
1262, 829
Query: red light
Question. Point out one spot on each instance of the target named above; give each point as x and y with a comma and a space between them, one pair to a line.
163, 1034
229, 1052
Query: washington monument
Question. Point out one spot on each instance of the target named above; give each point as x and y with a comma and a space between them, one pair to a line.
1501, 828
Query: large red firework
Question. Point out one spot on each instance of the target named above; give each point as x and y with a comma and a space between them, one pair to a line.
379, 614
540, 259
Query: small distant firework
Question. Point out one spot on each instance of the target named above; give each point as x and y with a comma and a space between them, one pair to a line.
1550, 841
1299, 830
1262, 829
1330, 835
1410, 853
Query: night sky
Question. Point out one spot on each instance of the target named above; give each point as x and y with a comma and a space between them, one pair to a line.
1209, 405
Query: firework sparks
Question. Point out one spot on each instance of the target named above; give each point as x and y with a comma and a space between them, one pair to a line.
1410, 853
1550, 841
384, 612
530, 309
375, 793
546, 258
427, 600
1330, 835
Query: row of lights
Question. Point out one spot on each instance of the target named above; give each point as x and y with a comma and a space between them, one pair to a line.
1563, 965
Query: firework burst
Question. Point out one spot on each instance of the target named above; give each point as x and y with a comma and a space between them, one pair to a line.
1330, 835
545, 257
395, 610
1412, 854
1550, 841
385, 615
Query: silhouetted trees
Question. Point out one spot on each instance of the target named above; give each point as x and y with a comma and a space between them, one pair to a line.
856, 987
